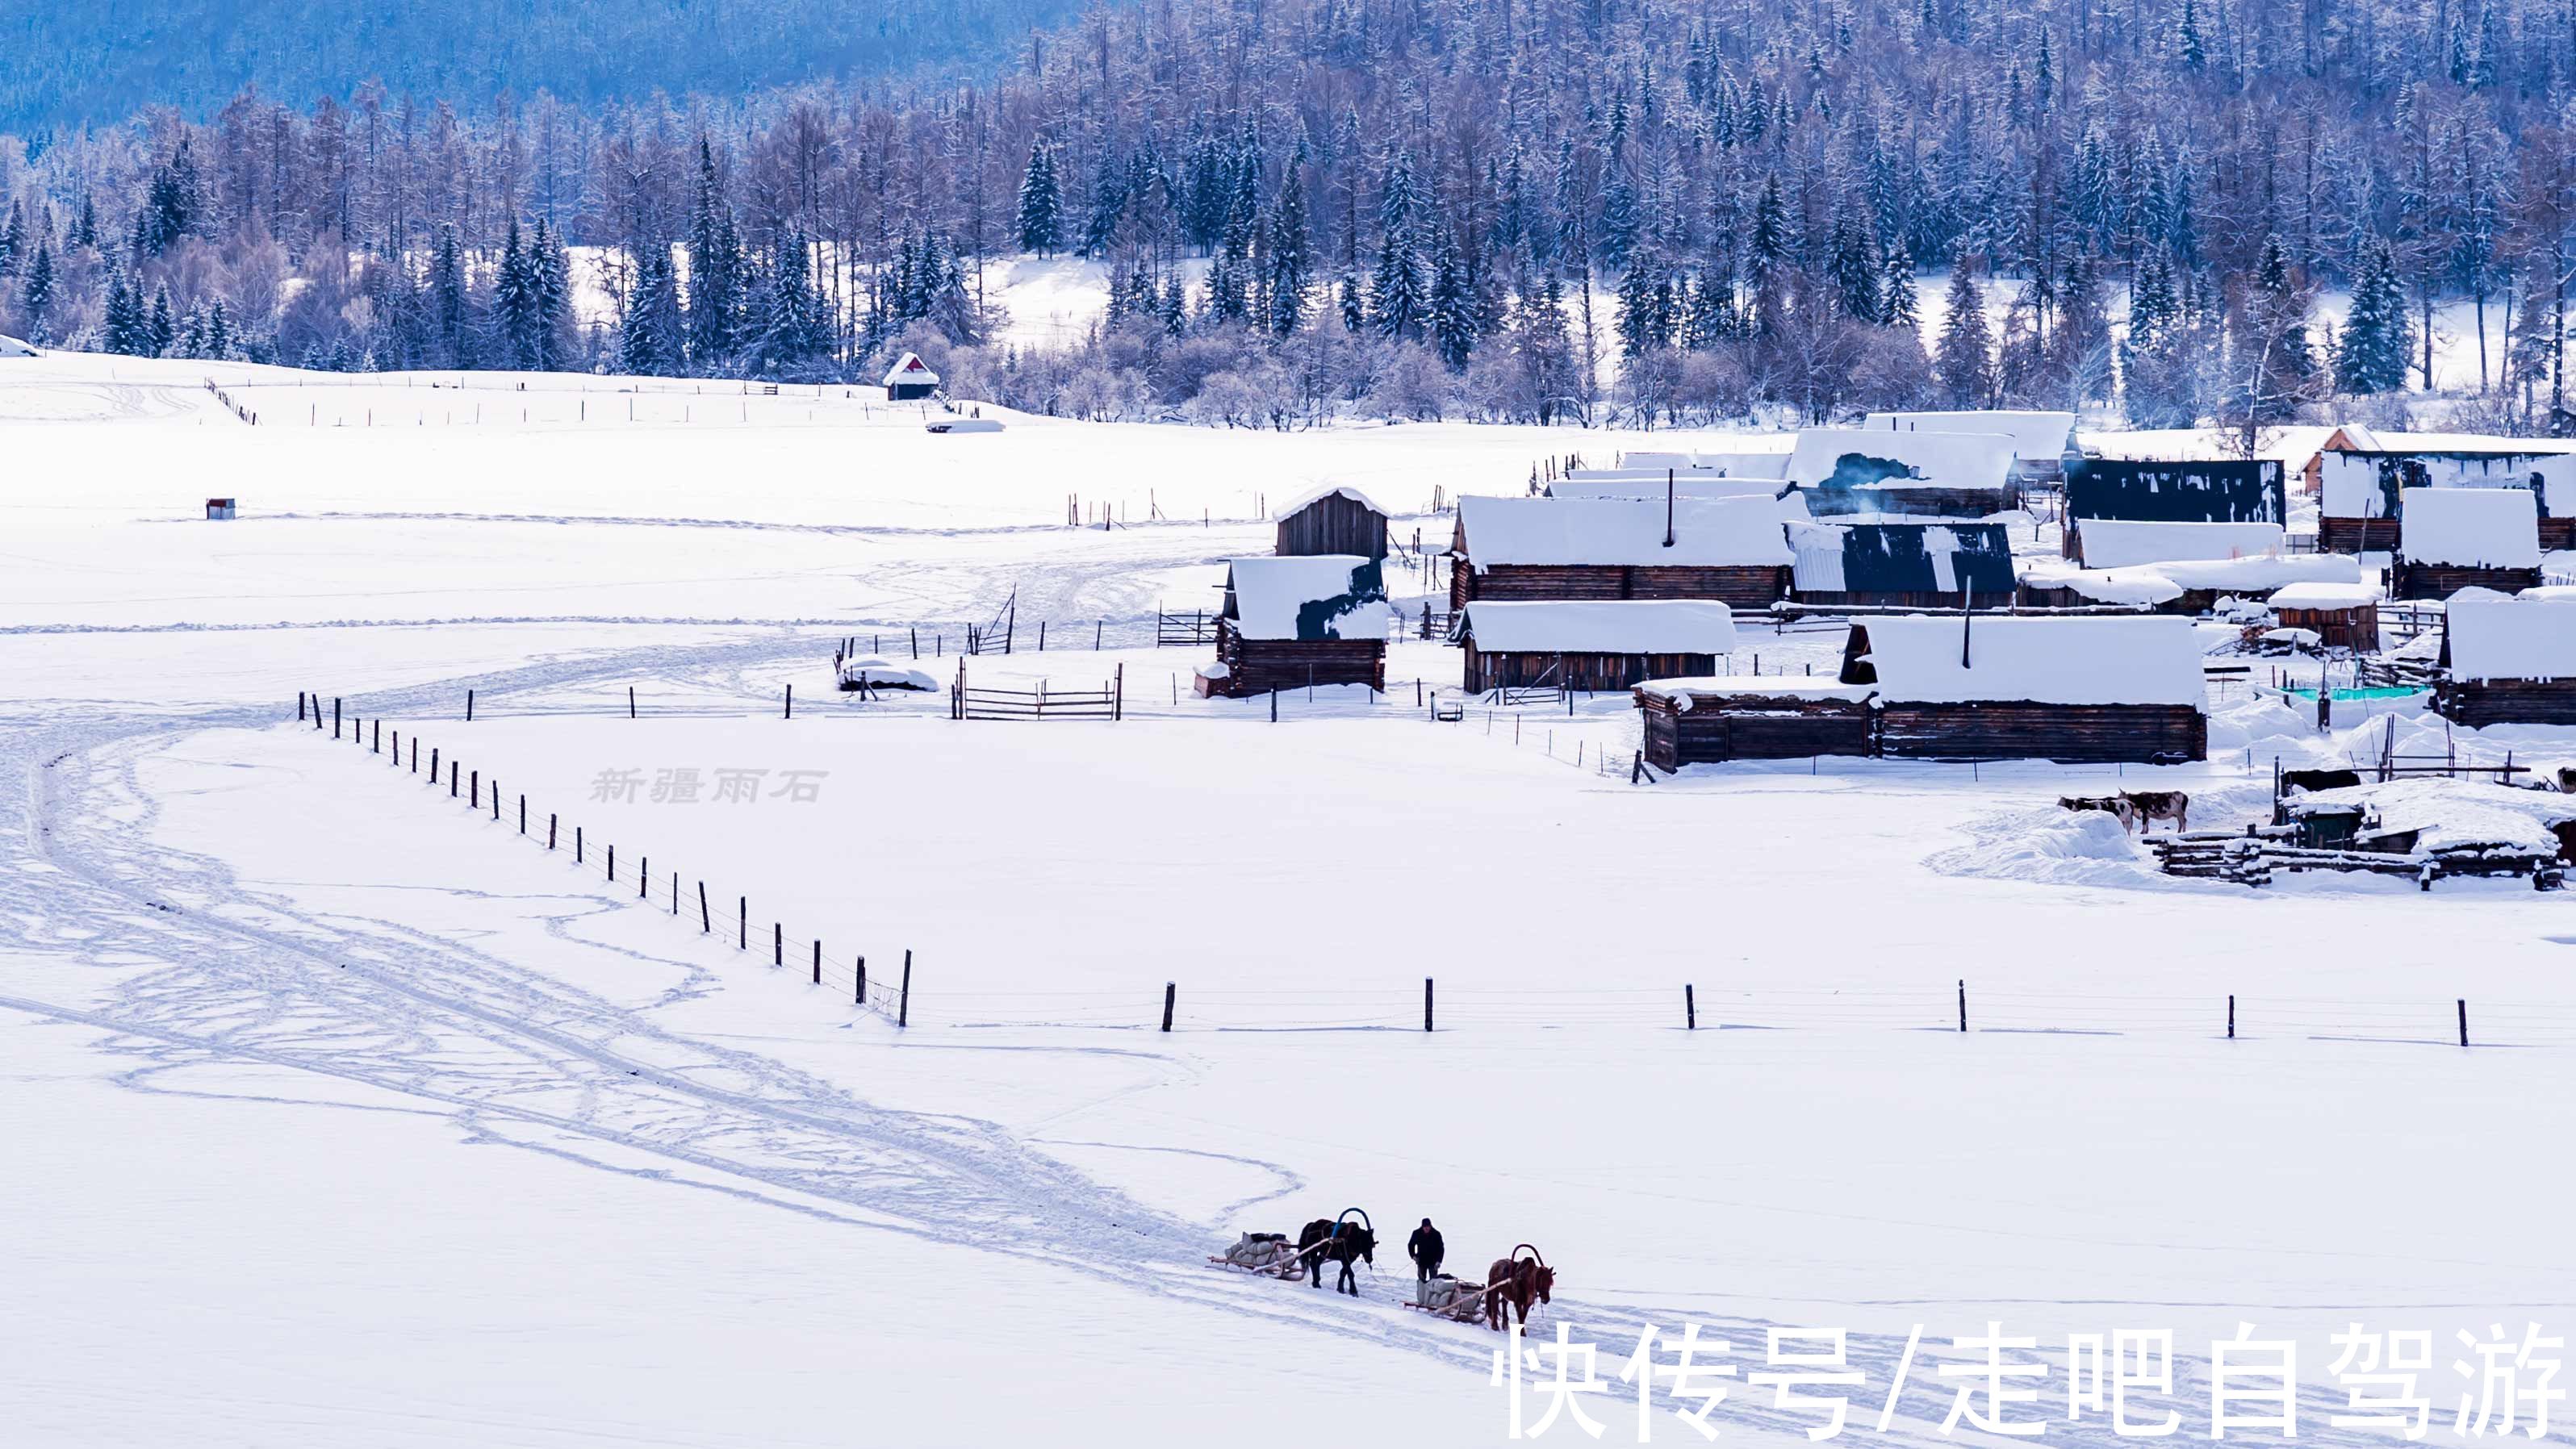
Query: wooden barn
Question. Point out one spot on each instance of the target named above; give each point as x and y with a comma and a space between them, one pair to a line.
2099, 688
910, 379
2466, 538
2361, 504
2109, 543
1866, 473
2509, 661
1337, 520
1751, 717
1291, 622
1732, 550
1595, 645
1904, 565
2343, 616
2184, 491
2041, 441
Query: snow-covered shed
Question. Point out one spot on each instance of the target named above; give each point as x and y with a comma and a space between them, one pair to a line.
2125, 543
1291, 622
1906, 565
1847, 471
12, 347
2298, 447
2453, 823
2097, 688
1706, 719
1593, 645
2463, 538
2041, 440
2179, 586
1733, 550
1339, 519
2212, 490
910, 378
2361, 504
2343, 616
2509, 660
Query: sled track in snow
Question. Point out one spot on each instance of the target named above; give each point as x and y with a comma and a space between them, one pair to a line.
167, 957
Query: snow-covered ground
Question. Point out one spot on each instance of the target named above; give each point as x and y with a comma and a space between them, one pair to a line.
339, 1112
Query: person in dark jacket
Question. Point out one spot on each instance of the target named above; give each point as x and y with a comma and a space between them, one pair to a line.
1426, 1250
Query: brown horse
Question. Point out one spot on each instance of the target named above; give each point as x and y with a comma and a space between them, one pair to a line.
1516, 1280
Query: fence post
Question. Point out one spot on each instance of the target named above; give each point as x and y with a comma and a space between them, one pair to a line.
576, 845
1690, 1007
859, 994
299, 706
469, 706
818, 963
453, 766
550, 829
742, 929
630, 701
1963, 1003
523, 813
2464, 1021
1171, 990
706, 922
612, 862
791, 703
335, 716
475, 800
903, 1006
376, 738
2231, 1016
643, 877
1426, 1003
777, 944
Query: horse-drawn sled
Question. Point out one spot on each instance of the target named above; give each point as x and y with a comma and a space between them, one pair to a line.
1512, 1283
1325, 1240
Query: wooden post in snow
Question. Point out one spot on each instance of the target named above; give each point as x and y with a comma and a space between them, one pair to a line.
1690, 1007
706, 922
1426, 1003
1171, 992
859, 993
2464, 1021
903, 1006
2231, 1016
1963, 1004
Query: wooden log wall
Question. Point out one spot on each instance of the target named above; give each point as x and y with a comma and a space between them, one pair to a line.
2412, 580
1594, 673
2356, 629
1752, 727
1260, 666
2478, 704
1333, 524
2070, 734
2357, 535
1751, 586
2558, 533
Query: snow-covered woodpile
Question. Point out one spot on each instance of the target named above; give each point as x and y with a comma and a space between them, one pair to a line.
1860, 472
2509, 660
1698, 721
1905, 565
1732, 550
1336, 520
2342, 616
2170, 491
2085, 689
1293, 622
2440, 826
1590, 645
2040, 440
2466, 538
2360, 496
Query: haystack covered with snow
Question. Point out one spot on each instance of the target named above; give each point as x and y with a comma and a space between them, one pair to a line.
1591, 644
862, 674
2439, 815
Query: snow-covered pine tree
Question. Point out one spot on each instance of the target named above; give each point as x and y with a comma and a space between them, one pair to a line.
715, 273
451, 308
161, 328
516, 324
1452, 304
650, 335
553, 269
36, 298
2378, 339
1964, 362
1896, 302
1288, 261
1041, 216
1108, 203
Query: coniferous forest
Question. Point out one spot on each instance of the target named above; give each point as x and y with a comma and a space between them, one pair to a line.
1536, 210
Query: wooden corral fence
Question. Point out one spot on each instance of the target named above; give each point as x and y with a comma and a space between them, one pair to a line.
1108, 702
1196, 627
2251, 859
231, 404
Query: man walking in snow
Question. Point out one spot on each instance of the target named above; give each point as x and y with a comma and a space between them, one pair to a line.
1426, 1249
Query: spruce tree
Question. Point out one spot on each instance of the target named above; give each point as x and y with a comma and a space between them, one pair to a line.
554, 298
1855, 270
1896, 301
1964, 363
650, 336
715, 273
515, 317
161, 330
2378, 339
450, 308
1452, 303
37, 297
1288, 262
1041, 223
1108, 204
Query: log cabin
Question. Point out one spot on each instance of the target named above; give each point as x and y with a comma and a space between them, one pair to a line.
1904, 565
2360, 497
2041, 441
1696, 721
1292, 622
1336, 520
2466, 538
2183, 491
1590, 645
2509, 660
2343, 616
1867, 473
1731, 550
2093, 689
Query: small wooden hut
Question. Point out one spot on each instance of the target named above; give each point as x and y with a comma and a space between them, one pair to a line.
2509, 661
1878, 472
2180, 491
2361, 504
2344, 616
1732, 550
1337, 520
910, 379
2098, 688
2464, 538
1292, 622
1590, 645
1751, 717
1904, 565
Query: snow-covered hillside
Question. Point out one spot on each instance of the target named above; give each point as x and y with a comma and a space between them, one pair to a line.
341, 1111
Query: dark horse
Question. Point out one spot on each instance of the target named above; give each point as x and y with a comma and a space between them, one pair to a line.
1516, 1280
1341, 1241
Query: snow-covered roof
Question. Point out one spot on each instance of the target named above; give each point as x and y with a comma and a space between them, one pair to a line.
2295, 446
1901, 557
2449, 814
2471, 527
2365, 484
1848, 457
1777, 686
1344, 489
2119, 543
12, 347
1743, 445
1701, 486
1314, 596
1600, 626
1625, 532
2156, 583
2361, 439
2492, 637
2324, 596
910, 370
2038, 436
2081, 661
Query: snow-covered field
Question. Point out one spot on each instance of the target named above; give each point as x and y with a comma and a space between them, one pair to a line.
339, 1112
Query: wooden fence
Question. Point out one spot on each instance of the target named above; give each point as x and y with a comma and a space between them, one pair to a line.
1108, 702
